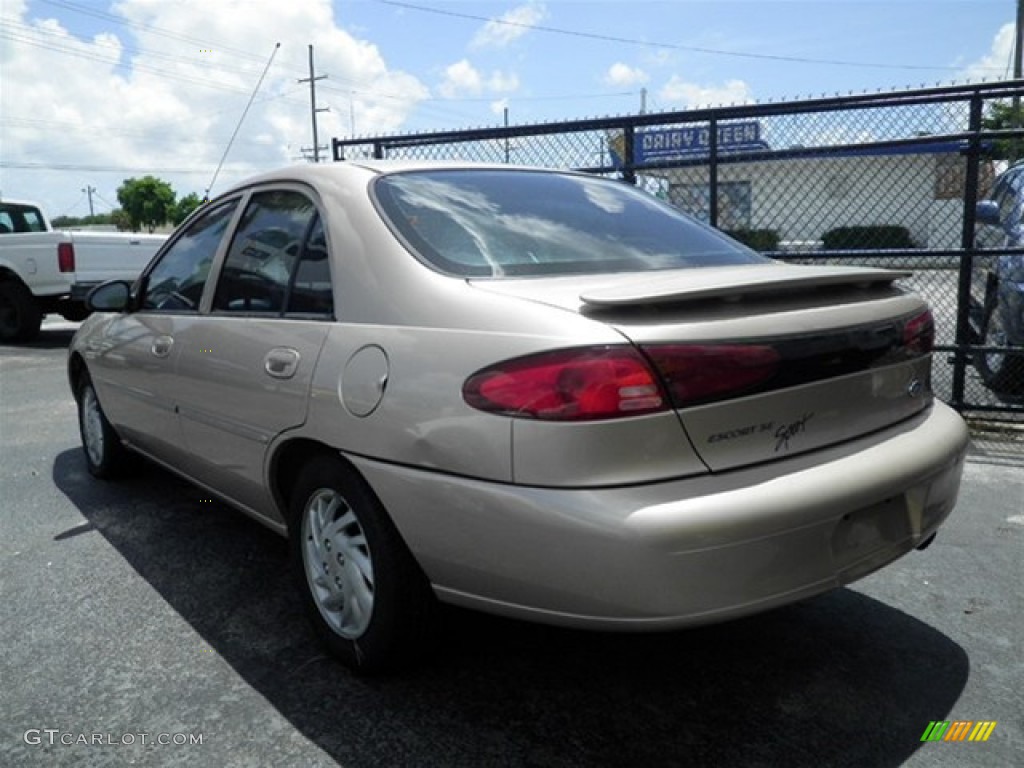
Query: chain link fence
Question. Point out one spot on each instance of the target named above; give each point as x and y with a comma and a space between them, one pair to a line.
888, 180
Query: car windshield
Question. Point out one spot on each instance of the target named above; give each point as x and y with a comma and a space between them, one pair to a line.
496, 223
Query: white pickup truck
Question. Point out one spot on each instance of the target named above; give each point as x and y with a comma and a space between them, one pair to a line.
44, 271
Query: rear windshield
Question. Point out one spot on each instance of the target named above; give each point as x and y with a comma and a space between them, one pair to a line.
496, 223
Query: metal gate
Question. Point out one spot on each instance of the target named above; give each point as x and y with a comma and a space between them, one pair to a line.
889, 180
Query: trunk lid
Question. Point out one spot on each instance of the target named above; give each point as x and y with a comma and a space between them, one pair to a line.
763, 361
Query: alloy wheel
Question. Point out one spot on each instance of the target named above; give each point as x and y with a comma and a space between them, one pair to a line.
337, 563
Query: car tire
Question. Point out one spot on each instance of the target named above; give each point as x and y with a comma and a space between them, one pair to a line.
367, 598
20, 317
1003, 373
74, 313
105, 455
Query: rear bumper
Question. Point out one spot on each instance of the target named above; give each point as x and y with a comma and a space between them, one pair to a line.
689, 551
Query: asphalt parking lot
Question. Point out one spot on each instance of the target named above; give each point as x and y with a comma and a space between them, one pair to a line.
143, 624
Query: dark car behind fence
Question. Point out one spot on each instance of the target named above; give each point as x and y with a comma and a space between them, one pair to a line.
888, 179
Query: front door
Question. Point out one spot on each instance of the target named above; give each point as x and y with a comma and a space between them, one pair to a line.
133, 365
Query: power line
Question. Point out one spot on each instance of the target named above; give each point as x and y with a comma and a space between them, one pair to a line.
137, 66
117, 50
121, 20
35, 166
354, 85
670, 46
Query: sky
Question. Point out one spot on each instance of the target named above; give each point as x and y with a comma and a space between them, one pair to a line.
93, 92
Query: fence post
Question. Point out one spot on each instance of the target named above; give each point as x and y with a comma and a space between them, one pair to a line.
628, 145
713, 170
963, 301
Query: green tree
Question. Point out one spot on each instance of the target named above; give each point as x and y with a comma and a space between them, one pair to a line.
1003, 116
120, 219
148, 201
63, 222
184, 207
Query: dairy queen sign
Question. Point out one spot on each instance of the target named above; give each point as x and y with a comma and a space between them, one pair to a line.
666, 145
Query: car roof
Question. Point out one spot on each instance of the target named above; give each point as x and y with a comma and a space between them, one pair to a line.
317, 173
21, 203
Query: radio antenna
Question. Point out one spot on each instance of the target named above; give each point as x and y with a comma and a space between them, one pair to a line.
239, 126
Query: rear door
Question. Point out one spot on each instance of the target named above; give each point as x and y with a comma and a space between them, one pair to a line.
245, 366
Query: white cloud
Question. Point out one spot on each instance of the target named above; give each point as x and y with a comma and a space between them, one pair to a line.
462, 79
997, 63
164, 93
502, 82
510, 26
621, 75
678, 93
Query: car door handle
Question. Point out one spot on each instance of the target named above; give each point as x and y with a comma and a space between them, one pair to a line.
162, 346
281, 362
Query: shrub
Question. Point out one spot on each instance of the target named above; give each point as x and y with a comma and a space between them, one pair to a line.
758, 239
880, 236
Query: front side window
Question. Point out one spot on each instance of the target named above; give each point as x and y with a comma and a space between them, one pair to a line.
265, 252
176, 281
495, 223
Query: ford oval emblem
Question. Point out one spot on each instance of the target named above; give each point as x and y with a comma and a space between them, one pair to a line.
915, 388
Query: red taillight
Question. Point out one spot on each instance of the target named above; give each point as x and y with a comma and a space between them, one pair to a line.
66, 257
568, 385
699, 373
919, 334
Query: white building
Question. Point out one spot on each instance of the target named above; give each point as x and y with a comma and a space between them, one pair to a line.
802, 193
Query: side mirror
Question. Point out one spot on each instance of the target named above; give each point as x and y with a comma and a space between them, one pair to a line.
111, 296
987, 212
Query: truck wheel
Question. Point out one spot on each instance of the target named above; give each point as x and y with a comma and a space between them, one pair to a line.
20, 317
74, 312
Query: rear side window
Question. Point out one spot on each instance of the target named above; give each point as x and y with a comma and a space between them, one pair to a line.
495, 223
277, 262
20, 218
310, 291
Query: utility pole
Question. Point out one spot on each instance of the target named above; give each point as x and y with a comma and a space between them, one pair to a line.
312, 102
89, 190
1017, 52
507, 147
643, 98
